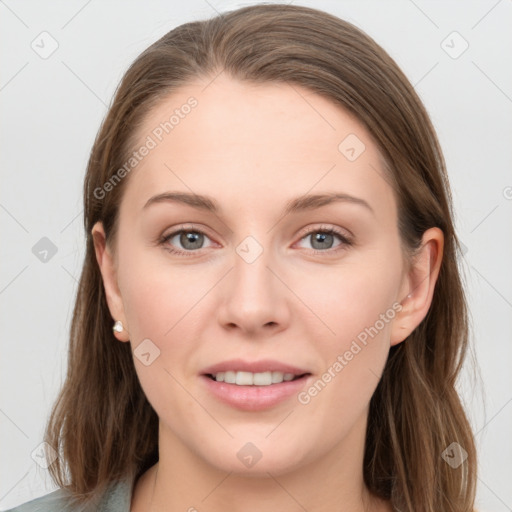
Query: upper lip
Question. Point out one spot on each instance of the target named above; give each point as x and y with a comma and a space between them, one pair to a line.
263, 365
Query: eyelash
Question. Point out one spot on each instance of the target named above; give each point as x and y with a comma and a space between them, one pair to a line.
346, 241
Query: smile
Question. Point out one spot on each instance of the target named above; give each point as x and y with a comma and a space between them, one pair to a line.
242, 378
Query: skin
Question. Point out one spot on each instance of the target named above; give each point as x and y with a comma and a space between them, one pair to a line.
253, 148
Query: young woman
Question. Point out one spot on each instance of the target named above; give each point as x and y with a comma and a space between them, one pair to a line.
270, 314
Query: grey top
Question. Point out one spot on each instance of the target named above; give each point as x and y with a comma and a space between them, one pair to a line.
117, 498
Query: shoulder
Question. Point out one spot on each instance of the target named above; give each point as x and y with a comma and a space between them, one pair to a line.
55, 501
117, 498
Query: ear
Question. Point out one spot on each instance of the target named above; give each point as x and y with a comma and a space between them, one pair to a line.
418, 285
107, 266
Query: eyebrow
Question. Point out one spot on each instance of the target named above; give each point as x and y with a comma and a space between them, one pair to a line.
302, 203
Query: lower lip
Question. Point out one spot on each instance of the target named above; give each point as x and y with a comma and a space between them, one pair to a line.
254, 398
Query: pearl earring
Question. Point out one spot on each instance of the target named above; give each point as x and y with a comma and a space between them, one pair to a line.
118, 326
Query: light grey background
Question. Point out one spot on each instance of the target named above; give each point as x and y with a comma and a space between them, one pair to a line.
52, 108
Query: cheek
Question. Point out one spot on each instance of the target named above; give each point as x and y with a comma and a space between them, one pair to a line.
357, 310
159, 297
159, 306
352, 298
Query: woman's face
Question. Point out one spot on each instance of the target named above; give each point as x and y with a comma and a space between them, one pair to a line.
259, 278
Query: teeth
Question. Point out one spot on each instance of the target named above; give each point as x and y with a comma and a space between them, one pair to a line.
253, 379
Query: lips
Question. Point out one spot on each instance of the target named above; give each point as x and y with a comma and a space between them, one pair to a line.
264, 365
254, 398
248, 395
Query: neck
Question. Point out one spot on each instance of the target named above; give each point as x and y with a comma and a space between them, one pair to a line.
331, 482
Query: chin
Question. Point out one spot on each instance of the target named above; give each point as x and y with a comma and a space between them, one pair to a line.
257, 458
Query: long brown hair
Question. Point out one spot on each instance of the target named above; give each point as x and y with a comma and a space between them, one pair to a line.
103, 426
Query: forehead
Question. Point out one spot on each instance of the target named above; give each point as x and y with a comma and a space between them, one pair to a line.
246, 142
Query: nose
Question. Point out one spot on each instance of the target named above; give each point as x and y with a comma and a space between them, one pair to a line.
255, 298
